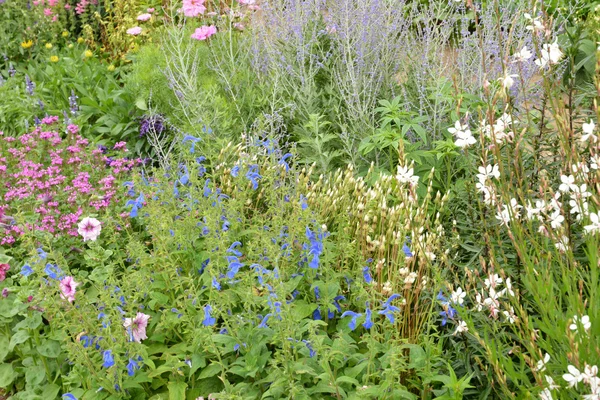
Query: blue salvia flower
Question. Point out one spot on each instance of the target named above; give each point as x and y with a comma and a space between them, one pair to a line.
41, 253
108, 359
263, 323
232, 249
216, 284
368, 323
253, 176
367, 275
284, 162
337, 305
449, 311
26, 270
223, 331
193, 139
203, 265
234, 266
135, 205
235, 171
303, 202
316, 247
225, 226
69, 396
132, 366
86, 341
388, 309
53, 271
406, 250
207, 191
129, 185
317, 314
208, 319
311, 351
353, 321
185, 177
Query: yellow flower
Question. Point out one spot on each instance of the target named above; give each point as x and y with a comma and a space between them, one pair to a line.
27, 44
111, 68
53, 59
80, 40
48, 45
88, 53
70, 45
65, 34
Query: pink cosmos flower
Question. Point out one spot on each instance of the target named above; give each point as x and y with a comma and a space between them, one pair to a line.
47, 12
68, 287
204, 32
3, 270
193, 8
136, 30
144, 17
150, 10
136, 327
67, 6
89, 228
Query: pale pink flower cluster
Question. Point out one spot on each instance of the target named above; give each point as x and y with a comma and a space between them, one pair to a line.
204, 32
136, 30
136, 327
193, 8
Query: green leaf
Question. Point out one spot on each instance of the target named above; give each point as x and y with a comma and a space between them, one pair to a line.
211, 370
50, 391
35, 375
18, 338
141, 104
7, 375
4, 343
49, 348
177, 390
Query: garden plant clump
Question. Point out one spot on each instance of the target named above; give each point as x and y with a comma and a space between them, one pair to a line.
281, 199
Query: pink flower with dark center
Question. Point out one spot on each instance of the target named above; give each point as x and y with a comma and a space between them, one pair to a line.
204, 32
89, 228
68, 287
136, 327
193, 8
136, 30
3, 270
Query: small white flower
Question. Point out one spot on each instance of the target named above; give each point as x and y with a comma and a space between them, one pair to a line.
463, 135
595, 162
573, 377
461, 327
541, 365
585, 322
537, 24
563, 244
556, 219
567, 183
522, 55
508, 81
594, 227
488, 172
508, 288
551, 384
492, 281
588, 132
589, 373
551, 54
510, 316
406, 175
458, 296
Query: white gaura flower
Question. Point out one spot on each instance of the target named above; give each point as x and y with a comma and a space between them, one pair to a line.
536, 23
567, 183
589, 373
551, 384
594, 227
463, 135
458, 296
508, 288
573, 377
585, 322
546, 395
551, 54
522, 55
588, 132
508, 81
541, 365
562, 244
595, 162
406, 175
460, 328
510, 316
492, 281
556, 219
488, 171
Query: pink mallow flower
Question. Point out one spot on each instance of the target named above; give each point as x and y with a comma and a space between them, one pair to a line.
3, 270
89, 228
136, 30
144, 17
204, 32
136, 327
68, 287
193, 8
